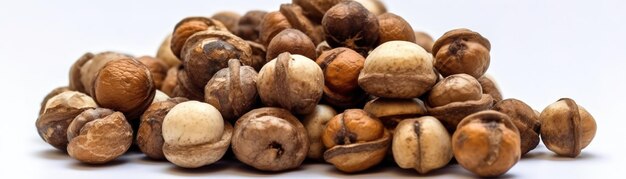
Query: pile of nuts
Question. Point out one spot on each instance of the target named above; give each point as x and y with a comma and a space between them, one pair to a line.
340, 81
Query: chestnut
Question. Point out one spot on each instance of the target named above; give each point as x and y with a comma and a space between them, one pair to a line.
462, 51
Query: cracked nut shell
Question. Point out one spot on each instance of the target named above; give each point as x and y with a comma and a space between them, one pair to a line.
342, 31
52, 93
566, 127
232, 90
462, 51
422, 144
315, 123
149, 135
58, 113
524, 118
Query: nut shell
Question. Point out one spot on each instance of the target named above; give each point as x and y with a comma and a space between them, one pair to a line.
230, 19
170, 81
524, 118
392, 111
157, 68
462, 51
424, 40
52, 93
316, 9
341, 67
393, 27
375, 6
149, 135
341, 31
189, 26
58, 113
248, 25
90, 69
75, 74
292, 41
296, 18
232, 90
272, 24
566, 127
422, 144
490, 87
259, 53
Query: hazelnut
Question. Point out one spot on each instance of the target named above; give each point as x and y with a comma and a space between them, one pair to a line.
566, 127
189, 26
91, 68
295, 16
392, 111
422, 144
258, 55
490, 87
341, 67
58, 113
124, 85
232, 90
165, 53
195, 135
315, 123
355, 141
524, 118
272, 24
293, 82
170, 81
375, 6
157, 68
424, 40
486, 143
462, 51
270, 139
52, 93
393, 27
316, 9
98, 136
159, 96
398, 69
75, 75
149, 135
228, 18
292, 41
342, 31
249, 25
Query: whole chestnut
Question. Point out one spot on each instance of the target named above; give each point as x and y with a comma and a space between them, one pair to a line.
149, 135
422, 144
315, 123
393, 27
524, 118
188, 26
462, 51
232, 90
342, 31
341, 67
58, 113
566, 127
292, 41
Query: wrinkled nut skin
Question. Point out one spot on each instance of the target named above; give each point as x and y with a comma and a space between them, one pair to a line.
184, 87
422, 144
99, 136
341, 67
232, 90
58, 113
248, 25
524, 118
157, 68
375, 6
165, 53
462, 51
355, 140
292, 41
393, 27
170, 81
270, 139
230, 19
189, 26
194, 134
567, 128
342, 31
124, 85
490, 87
75, 75
424, 40
316, 9
259, 52
315, 123
149, 135
90, 69
293, 82
392, 111
397, 69
52, 93
296, 18
272, 24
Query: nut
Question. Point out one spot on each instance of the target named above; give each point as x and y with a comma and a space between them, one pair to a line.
486, 143
124, 85
293, 82
375, 6
341, 67
230, 19
398, 69
258, 55
315, 123
249, 25
170, 81
270, 139
58, 113
315, 10
149, 135
424, 40
195, 135
165, 53
159, 96
90, 69
295, 16
462, 51
321, 48
392, 111
342, 31
393, 27
75, 76
98, 136
490, 87
189, 26
421, 143
272, 24
52, 93
355, 141
524, 118
232, 90
292, 41
157, 68
184, 88
566, 127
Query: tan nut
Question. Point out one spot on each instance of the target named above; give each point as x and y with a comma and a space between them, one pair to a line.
462, 51
524, 118
422, 144
566, 127
232, 90
149, 135
58, 113
315, 123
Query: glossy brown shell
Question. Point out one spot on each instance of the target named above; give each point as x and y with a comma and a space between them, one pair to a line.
341, 67
292, 41
189, 26
272, 24
393, 27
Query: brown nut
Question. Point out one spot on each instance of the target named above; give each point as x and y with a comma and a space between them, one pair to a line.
292, 41
293, 82
170, 81
341, 67
393, 27
124, 85
424, 40
232, 90
342, 31
295, 16
184, 87
258, 55
322, 47
315, 123
165, 53
90, 69
525, 119
149, 135
99, 136
230, 19
392, 111
157, 68
566, 127
422, 144
52, 93
58, 113
272, 24
375, 6
462, 51
270, 139
316, 9
490, 87
195, 135
249, 25
189, 26
398, 69
75, 76
486, 143
355, 141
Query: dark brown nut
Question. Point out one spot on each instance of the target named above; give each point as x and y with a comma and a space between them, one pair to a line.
456, 97
270, 139
189, 26
393, 27
341, 67
232, 90
462, 51
230, 19
293, 82
295, 16
566, 127
424, 40
375, 6
490, 87
157, 68
195, 135
315, 123
58, 113
322, 47
292, 41
165, 53
316, 9
52, 93
248, 25
75, 76
355, 141
422, 144
170, 81
272, 24
392, 111
258, 55
124, 85
99, 136
184, 87
342, 31
149, 135
525, 119
90, 69
486, 143
398, 69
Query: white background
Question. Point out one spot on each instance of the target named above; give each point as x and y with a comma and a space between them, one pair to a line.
541, 51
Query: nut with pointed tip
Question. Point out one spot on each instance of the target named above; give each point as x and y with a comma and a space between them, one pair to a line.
149, 135
248, 25
393, 111
165, 53
341, 67
58, 113
462, 51
490, 87
230, 19
75, 75
272, 24
342, 31
189, 26
315, 123
422, 144
566, 127
424, 40
375, 6
232, 90
393, 27
524, 118
292, 41
157, 68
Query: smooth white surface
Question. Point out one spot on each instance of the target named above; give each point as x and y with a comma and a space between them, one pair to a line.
541, 51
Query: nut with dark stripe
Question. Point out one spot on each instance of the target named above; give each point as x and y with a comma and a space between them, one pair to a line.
566, 127
422, 144
341, 67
